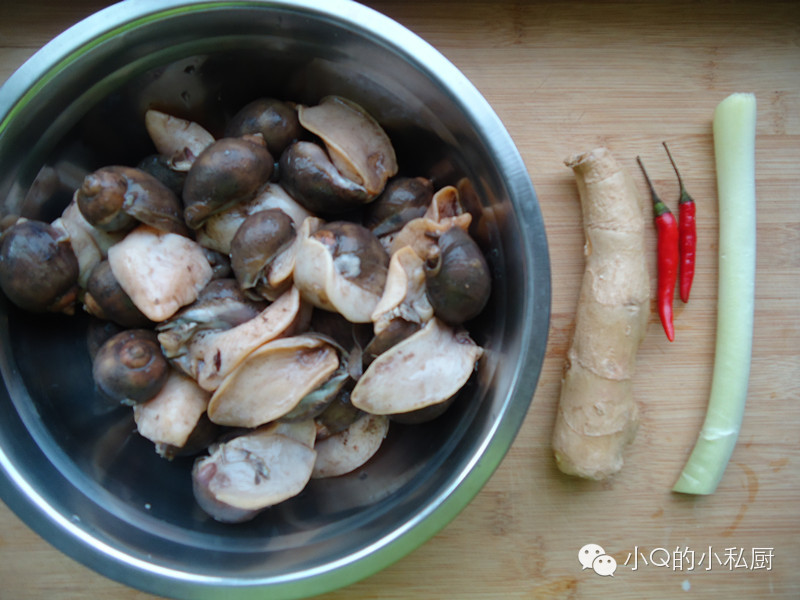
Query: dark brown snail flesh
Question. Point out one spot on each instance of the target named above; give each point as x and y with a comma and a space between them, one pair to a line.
38, 268
308, 174
256, 244
458, 282
228, 171
130, 367
118, 198
274, 119
106, 299
403, 199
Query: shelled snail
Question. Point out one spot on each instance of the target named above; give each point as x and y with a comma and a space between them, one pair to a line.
281, 294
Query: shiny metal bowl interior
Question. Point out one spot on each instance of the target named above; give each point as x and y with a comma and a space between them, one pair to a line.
80, 476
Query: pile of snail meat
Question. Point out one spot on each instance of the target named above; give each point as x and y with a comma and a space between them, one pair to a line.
278, 294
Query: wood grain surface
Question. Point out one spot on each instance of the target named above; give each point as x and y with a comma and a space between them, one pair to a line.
566, 77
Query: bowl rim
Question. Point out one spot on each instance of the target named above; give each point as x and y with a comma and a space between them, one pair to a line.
79, 543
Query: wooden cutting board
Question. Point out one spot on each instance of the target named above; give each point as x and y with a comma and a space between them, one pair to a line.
566, 77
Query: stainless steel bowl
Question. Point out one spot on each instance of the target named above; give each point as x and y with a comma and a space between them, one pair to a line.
81, 477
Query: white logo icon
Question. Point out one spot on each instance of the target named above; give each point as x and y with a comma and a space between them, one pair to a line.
588, 553
604, 565
592, 556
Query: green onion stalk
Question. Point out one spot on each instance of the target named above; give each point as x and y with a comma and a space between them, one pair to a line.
734, 130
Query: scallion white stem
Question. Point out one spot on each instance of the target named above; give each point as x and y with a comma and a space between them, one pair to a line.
734, 148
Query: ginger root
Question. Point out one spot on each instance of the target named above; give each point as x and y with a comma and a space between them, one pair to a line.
597, 414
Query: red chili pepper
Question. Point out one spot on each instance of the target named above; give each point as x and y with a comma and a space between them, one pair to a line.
687, 233
667, 228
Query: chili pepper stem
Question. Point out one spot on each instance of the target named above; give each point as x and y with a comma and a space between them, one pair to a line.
684, 195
